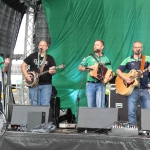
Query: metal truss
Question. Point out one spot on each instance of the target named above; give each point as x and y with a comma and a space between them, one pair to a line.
28, 48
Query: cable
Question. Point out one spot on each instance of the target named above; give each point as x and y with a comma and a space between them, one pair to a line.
104, 128
78, 98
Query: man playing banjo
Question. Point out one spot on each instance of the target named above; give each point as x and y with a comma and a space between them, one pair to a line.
40, 87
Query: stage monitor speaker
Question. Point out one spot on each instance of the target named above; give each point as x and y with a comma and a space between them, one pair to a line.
118, 101
96, 117
20, 113
145, 119
34, 119
55, 105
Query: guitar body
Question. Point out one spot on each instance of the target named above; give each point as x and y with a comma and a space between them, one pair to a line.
124, 88
34, 79
103, 74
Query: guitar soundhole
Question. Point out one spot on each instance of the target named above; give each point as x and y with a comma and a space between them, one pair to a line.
128, 84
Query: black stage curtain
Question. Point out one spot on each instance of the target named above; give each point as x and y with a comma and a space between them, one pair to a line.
71, 141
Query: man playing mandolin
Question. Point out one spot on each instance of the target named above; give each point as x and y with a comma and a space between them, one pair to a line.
134, 84
40, 85
98, 75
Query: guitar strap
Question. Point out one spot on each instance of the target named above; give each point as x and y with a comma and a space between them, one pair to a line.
94, 57
42, 65
98, 61
142, 63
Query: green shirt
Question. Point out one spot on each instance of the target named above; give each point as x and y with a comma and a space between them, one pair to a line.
1, 65
90, 61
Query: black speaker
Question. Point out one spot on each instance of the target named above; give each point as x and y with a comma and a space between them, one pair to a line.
145, 119
20, 113
118, 101
98, 118
55, 106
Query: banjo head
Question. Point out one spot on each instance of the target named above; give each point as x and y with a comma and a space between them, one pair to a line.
34, 79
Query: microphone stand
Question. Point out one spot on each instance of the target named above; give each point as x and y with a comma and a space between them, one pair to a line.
102, 76
138, 101
39, 55
78, 98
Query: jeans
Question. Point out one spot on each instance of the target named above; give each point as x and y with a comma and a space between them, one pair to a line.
132, 100
95, 94
1, 106
44, 93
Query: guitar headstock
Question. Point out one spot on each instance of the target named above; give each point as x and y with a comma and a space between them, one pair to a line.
61, 66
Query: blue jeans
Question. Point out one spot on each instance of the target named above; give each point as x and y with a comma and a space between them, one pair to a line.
95, 94
44, 93
1, 106
132, 103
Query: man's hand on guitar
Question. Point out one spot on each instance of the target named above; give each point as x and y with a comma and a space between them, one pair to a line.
28, 77
52, 70
128, 80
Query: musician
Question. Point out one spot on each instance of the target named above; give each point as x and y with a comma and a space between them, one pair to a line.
44, 87
139, 93
95, 89
3, 68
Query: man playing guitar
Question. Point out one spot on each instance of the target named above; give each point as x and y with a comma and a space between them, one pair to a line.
135, 65
95, 86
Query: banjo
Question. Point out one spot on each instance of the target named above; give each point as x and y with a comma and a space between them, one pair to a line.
35, 76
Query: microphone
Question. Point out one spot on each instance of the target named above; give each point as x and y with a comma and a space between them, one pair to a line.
41, 49
139, 51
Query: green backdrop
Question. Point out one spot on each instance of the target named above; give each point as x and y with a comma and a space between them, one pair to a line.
74, 25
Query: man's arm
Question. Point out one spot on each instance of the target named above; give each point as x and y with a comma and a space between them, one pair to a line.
24, 71
81, 68
6, 62
120, 73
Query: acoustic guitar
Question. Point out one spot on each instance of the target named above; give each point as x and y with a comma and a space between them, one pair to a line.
124, 88
100, 72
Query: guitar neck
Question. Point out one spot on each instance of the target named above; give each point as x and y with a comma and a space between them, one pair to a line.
141, 72
44, 72
144, 70
58, 67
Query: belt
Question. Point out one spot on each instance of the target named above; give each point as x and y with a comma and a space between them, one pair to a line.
93, 81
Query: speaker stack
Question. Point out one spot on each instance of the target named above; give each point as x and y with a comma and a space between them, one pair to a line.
118, 101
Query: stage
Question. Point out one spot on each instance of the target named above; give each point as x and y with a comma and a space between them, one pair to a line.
71, 140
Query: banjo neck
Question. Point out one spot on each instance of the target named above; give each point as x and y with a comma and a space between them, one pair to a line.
58, 67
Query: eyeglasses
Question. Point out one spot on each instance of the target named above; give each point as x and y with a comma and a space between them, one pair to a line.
137, 47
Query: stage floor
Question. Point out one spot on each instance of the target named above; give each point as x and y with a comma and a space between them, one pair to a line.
63, 139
